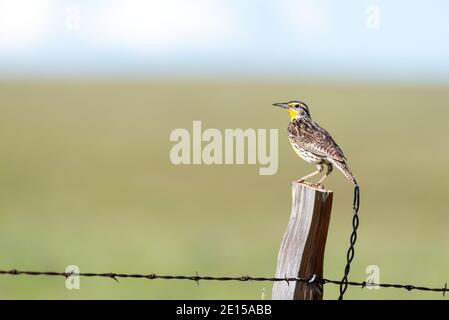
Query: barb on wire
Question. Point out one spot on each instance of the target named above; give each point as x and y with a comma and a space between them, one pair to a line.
196, 278
351, 251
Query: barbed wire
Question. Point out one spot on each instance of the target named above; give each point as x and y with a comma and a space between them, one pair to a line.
197, 278
351, 251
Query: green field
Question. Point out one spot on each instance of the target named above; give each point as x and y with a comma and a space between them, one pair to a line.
85, 179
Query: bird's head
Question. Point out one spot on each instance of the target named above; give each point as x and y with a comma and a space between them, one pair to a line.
296, 109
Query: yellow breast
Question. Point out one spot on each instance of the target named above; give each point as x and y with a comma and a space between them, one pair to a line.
292, 113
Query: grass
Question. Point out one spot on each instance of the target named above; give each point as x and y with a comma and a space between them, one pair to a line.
86, 180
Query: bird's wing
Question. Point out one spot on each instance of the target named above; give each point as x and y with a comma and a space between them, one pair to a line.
313, 138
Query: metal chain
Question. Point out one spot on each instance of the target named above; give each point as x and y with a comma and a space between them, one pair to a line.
351, 251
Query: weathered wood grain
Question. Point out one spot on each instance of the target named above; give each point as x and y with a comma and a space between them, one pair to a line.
302, 247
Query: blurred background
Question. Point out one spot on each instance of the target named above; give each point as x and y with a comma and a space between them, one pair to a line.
90, 91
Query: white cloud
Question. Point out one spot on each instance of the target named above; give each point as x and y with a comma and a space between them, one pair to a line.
155, 24
22, 22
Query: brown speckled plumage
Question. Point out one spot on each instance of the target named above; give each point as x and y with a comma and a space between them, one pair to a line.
313, 143
308, 135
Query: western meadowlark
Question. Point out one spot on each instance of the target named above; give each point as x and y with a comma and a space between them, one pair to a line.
313, 143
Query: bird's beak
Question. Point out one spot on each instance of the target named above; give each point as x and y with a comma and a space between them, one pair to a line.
281, 105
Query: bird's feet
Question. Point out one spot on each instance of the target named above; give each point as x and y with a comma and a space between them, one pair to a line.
313, 185
303, 181
317, 185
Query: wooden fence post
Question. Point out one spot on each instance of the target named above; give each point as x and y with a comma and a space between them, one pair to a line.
302, 248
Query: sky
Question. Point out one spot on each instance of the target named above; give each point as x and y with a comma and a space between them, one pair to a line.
358, 39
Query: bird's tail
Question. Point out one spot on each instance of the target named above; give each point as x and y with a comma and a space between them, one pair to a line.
343, 167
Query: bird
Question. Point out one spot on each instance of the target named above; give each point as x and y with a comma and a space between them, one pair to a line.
313, 143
